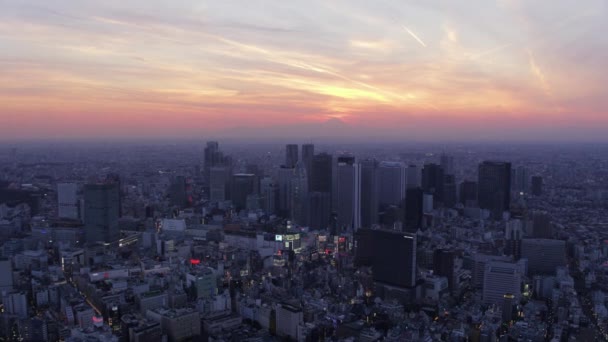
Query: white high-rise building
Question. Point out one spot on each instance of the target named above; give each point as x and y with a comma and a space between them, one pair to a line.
391, 183
67, 199
501, 278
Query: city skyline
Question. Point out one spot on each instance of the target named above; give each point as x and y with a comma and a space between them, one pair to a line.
429, 70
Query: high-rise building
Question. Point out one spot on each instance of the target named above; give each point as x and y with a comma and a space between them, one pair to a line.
348, 193
218, 180
414, 198
447, 164
443, 265
514, 233
501, 278
433, 181
537, 185
391, 184
507, 307
284, 183
542, 228
101, 211
6, 269
269, 193
394, 258
319, 210
494, 187
413, 178
291, 155
468, 194
544, 255
177, 192
308, 153
321, 180
520, 179
449, 191
299, 194
243, 185
369, 192
213, 158
67, 200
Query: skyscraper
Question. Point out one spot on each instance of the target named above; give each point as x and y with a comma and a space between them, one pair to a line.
101, 212
308, 153
413, 177
369, 192
391, 184
348, 193
394, 258
443, 265
433, 181
537, 185
319, 210
494, 187
213, 157
514, 234
268, 191
468, 193
543, 255
299, 194
322, 173
177, 192
447, 164
67, 200
284, 183
243, 185
218, 180
413, 209
520, 180
291, 155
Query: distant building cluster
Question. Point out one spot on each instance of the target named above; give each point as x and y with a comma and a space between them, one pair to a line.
301, 243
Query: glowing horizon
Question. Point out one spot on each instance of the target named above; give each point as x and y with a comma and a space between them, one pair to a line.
147, 68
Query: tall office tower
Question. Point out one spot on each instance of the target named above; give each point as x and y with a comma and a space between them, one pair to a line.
494, 187
543, 255
115, 178
443, 265
177, 192
348, 193
269, 194
284, 180
391, 184
507, 307
468, 194
218, 180
67, 200
447, 164
501, 278
319, 210
394, 258
369, 192
542, 228
414, 198
291, 155
537, 185
308, 153
213, 158
321, 180
449, 191
413, 177
6, 269
243, 185
299, 194
255, 170
520, 179
480, 261
101, 212
432, 181
514, 233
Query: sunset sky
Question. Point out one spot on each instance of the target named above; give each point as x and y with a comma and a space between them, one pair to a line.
427, 69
